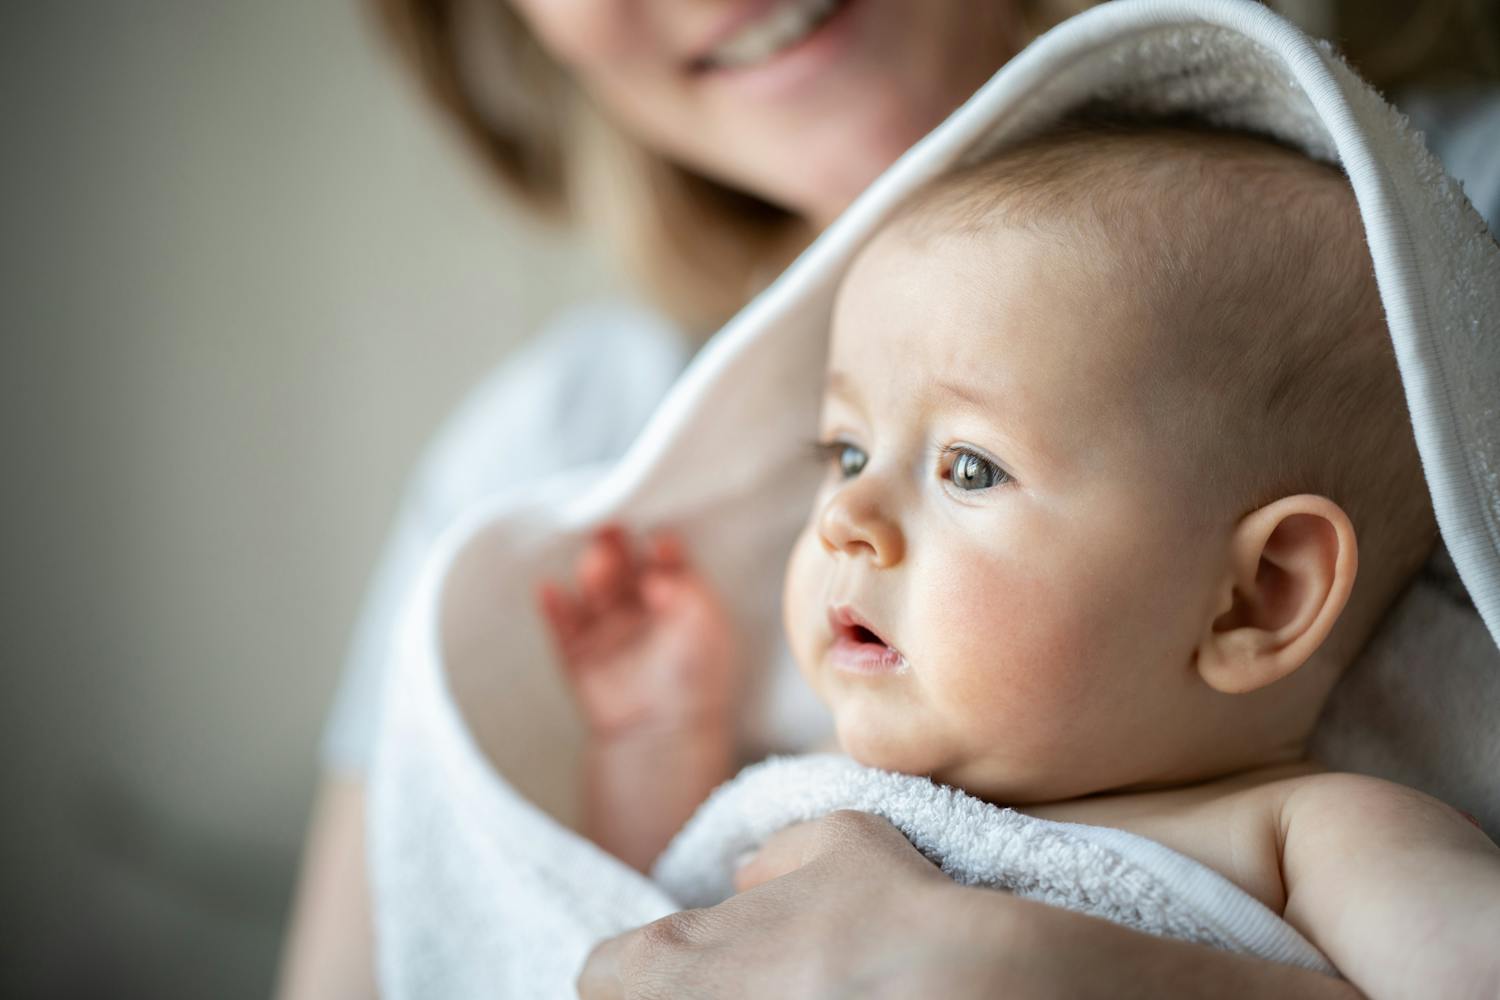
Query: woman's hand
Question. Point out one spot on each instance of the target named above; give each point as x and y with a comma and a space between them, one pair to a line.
840, 924
845, 907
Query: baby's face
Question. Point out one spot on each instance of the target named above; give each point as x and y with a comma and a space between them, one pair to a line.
998, 585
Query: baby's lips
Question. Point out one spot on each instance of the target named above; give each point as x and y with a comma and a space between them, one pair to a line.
846, 620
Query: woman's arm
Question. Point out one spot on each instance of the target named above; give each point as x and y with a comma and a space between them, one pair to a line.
846, 907
329, 952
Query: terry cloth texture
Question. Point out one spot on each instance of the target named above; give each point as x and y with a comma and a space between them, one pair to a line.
1091, 869
468, 839
555, 894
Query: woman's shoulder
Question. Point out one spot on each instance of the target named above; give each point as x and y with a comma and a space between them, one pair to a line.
577, 392
600, 344
592, 359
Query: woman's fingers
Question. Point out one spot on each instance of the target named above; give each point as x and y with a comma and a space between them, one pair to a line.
847, 834
833, 908
653, 960
600, 977
785, 851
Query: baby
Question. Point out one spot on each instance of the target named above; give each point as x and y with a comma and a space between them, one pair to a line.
1110, 421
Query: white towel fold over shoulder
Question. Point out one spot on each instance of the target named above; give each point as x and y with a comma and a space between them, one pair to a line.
480, 888
1096, 870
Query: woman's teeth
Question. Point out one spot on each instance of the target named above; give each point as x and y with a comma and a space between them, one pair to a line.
783, 26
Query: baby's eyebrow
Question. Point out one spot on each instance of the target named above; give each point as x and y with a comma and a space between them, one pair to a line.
1032, 450
968, 394
836, 383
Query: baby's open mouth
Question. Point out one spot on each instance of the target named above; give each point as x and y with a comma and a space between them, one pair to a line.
857, 648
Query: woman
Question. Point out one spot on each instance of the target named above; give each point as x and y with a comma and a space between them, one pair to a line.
710, 140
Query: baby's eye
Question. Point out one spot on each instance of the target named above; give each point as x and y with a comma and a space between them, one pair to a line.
849, 458
969, 471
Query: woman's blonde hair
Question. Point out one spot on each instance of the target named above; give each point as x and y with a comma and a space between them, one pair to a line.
699, 249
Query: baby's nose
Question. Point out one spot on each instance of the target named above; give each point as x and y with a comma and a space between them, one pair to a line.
852, 522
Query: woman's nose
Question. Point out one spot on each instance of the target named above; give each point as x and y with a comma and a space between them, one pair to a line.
852, 522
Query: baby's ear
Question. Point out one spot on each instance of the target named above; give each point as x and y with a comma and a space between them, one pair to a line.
1291, 569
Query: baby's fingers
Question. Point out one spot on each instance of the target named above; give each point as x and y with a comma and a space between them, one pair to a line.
606, 571
563, 615
668, 582
665, 551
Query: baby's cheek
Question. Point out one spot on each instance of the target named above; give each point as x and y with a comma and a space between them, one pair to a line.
802, 602
1012, 650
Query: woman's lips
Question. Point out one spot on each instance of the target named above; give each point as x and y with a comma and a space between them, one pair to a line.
789, 71
859, 649
760, 30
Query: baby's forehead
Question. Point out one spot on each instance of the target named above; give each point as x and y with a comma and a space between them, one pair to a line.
1196, 226
1180, 255
1221, 283
1000, 325
1133, 190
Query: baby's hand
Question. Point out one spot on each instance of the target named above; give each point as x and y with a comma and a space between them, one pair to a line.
644, 642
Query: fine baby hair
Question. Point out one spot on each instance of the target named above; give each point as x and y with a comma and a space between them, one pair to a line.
1270, 371
1110, 415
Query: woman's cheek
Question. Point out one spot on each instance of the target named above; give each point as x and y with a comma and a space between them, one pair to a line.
590, 36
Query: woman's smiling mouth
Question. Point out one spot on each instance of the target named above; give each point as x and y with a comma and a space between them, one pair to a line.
859, 649
786, 50
778, 26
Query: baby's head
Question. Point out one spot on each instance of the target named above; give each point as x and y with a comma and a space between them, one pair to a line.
1105, 417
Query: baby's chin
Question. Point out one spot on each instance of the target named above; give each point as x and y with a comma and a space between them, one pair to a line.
906, 753
906, 740
925, 757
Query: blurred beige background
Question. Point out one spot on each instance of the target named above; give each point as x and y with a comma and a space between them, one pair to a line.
245, 272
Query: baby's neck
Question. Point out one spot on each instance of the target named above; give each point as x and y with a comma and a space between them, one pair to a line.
1231, 824
1116, 807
